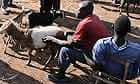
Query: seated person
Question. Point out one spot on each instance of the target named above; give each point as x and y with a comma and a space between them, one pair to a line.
119, 46
88, 31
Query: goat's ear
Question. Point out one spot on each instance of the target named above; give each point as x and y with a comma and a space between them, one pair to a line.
22, 8
4, 26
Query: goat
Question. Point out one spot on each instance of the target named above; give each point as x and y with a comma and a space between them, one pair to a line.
7, 29
33, 37
128, 2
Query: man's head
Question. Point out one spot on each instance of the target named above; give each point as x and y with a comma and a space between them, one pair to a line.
122, 25
85, 9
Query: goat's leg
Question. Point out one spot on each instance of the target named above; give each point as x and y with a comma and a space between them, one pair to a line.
7, 42
29, 56
134, 7
18, 44
120, 10
122, 5
127, 7
51, 57
4, 38
48, 61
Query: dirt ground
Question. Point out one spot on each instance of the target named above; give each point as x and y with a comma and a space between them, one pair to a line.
12, 66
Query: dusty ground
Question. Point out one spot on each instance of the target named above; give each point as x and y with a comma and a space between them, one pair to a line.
13, 64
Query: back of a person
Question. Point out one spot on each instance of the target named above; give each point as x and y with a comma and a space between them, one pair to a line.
94, 29
97, 30
129, 51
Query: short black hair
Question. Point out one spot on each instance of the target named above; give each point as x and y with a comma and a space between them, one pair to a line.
122, 25
87, 6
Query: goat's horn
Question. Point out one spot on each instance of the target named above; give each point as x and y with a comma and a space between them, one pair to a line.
17, 26
22, 8
4, 26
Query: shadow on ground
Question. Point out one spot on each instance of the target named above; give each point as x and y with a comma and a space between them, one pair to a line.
11, 76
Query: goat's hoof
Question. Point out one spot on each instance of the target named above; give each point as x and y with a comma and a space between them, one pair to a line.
120, 13
27, 63
43, 68
4, 52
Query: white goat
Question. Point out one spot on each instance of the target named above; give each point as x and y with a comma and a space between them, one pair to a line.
33, 37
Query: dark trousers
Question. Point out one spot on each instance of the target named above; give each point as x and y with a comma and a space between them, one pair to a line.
69, 55
4, 3
47, 5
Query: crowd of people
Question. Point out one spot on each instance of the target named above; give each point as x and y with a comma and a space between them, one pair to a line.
92, 37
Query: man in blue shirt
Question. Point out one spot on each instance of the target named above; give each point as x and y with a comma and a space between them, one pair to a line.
119, 46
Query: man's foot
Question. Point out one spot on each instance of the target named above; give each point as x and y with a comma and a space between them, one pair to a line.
58, 79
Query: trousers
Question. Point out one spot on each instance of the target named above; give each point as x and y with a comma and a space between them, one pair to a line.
69, 55
5, 3
47, 5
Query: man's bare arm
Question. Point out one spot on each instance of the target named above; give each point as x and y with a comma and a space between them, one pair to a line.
57, 41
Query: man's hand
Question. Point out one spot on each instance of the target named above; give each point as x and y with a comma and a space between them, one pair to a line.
47, 39
55, 40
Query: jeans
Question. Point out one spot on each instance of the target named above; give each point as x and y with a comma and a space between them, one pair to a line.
69, 55
47, 5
